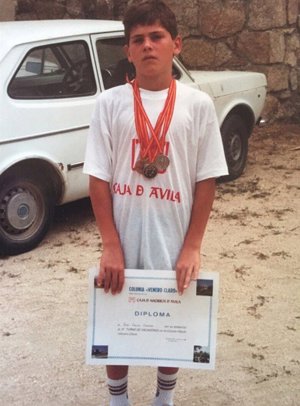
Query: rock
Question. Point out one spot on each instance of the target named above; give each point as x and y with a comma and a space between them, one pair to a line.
266, 14
198, 53
219, 19
278, 78
293, 11
262, 47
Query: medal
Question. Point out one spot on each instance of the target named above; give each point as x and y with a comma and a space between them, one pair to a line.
152, 140
139, 165
150, 171
161, 162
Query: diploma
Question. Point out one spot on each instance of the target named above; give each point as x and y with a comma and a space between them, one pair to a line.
149, 323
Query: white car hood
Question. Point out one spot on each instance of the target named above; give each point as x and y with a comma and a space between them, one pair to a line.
228, 82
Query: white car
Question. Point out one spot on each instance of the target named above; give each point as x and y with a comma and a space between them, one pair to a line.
51, 74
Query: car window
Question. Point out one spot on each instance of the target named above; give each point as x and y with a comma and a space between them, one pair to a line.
114, 65
54, 71
113, 62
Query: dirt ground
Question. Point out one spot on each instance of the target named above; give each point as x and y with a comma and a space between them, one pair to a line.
253, 242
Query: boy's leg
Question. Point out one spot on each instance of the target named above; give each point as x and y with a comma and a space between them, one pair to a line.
166, 382
117, 384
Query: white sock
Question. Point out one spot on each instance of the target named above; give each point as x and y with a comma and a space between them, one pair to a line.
165, 389
118, 391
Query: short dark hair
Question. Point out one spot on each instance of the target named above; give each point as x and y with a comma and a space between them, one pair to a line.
147, 12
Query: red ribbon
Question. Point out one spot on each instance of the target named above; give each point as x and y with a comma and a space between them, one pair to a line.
152, 140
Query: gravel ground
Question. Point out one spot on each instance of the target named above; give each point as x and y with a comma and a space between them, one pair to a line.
252, 241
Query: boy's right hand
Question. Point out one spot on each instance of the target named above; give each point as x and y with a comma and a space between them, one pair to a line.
111, 274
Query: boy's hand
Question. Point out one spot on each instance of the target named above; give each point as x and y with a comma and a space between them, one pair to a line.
111, 274
187, 267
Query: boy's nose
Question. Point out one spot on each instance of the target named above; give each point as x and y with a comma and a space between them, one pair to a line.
147, 43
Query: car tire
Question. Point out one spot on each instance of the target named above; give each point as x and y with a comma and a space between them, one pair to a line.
235, 140
26, 212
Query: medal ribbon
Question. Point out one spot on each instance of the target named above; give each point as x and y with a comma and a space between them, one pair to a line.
152, 140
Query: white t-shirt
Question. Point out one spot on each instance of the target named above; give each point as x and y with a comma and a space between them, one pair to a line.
152, 215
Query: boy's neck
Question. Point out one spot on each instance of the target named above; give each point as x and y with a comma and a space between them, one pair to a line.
154, 84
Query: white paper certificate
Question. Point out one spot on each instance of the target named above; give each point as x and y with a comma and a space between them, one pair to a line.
148, 323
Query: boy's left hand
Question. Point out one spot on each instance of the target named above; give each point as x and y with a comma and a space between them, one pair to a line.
187, 267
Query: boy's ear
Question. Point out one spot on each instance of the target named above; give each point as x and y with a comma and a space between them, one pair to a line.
177, 45
127, 53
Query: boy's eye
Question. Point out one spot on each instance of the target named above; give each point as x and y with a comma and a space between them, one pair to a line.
138, 40
156, 37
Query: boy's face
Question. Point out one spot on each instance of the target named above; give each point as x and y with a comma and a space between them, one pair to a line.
151, 49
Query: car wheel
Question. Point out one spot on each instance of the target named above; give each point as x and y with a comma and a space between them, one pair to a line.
235, 140
26, 211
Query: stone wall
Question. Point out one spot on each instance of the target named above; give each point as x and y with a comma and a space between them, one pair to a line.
257, 35
56, 9
7, 10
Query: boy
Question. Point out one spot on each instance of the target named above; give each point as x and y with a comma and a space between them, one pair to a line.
153, 153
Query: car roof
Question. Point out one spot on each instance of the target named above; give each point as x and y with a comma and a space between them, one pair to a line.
13, 33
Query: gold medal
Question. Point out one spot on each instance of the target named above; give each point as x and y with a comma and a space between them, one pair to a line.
162, 162
150, 171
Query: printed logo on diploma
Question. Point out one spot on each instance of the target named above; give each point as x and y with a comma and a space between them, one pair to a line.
148, 323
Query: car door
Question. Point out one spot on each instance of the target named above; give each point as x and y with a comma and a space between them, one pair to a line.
51, 95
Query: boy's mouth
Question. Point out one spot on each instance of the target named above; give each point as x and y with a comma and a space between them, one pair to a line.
149, 58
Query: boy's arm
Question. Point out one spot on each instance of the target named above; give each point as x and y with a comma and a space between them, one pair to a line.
111, 273
188, 263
